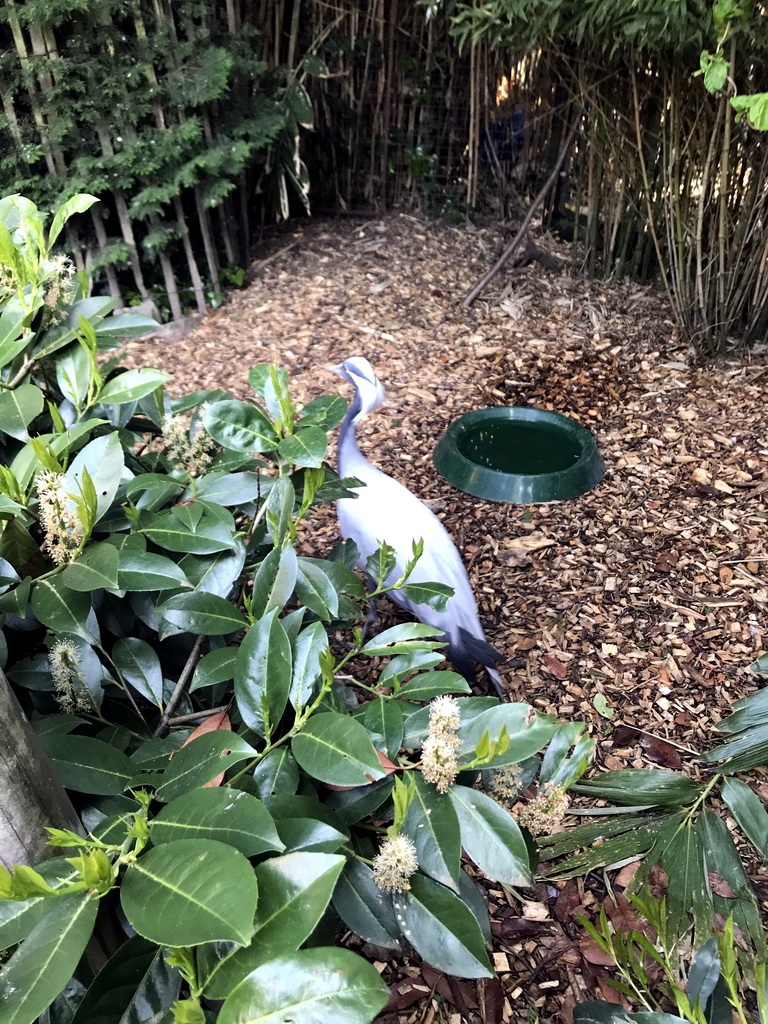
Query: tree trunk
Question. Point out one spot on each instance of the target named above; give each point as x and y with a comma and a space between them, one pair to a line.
109, 271
33, 797
194, 272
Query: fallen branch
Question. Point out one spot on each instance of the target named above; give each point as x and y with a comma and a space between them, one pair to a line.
528, 217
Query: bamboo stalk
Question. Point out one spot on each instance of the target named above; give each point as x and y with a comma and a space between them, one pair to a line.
194, 273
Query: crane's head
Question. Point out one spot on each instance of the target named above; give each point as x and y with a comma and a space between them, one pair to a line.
359, 372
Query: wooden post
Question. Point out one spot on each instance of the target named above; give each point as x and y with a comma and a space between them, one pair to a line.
32, 796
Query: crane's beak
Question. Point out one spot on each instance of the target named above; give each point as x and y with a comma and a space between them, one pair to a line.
338, 370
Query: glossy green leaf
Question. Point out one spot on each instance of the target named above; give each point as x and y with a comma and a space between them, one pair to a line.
19, 917
215, 667
402, 639
104, 460
336, 749
189, 892
307, 447
19, 549
240, 427
131, 385
124, 325
442, 930
73, 373
274, 580
325, 412
77, 204
18, 408
231, 488
630, 786
144, 571
280, 504
26, 465
12, 338
232, 816
748, 711
429, 685
94, 569
88, 765
216, 573
352, 805
365, 908
134, 987
59, 608
152, 491
312, 986
432, 824
270, 383
202, 760
310, 644
435, 595
470, 894
384, 721
277, 772
749, 812
294, 891
47, 959
139, 665
315, 590
528, 732
263, 674
310, 835
344, 580
168, 532
491, 837
203, 613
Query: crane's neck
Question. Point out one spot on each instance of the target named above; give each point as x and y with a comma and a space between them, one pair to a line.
349, 453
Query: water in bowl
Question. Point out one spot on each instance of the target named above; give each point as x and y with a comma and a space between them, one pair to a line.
515, 446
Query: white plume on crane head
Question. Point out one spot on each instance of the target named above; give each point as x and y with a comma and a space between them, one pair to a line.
386, 511
359, 372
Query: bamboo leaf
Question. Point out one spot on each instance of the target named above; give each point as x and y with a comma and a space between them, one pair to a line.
631, 786
749, 812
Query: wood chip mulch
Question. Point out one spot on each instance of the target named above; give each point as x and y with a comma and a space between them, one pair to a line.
645, 598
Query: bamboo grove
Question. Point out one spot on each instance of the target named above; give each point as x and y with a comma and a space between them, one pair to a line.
195, 122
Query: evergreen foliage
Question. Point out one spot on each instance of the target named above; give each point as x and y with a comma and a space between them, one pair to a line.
164, 111
177, 656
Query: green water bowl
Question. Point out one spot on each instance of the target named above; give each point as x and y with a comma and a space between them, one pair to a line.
520, 455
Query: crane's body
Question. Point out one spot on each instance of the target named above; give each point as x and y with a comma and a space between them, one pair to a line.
386, 511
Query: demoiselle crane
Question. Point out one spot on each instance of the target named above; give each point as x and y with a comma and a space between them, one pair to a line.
386, 511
